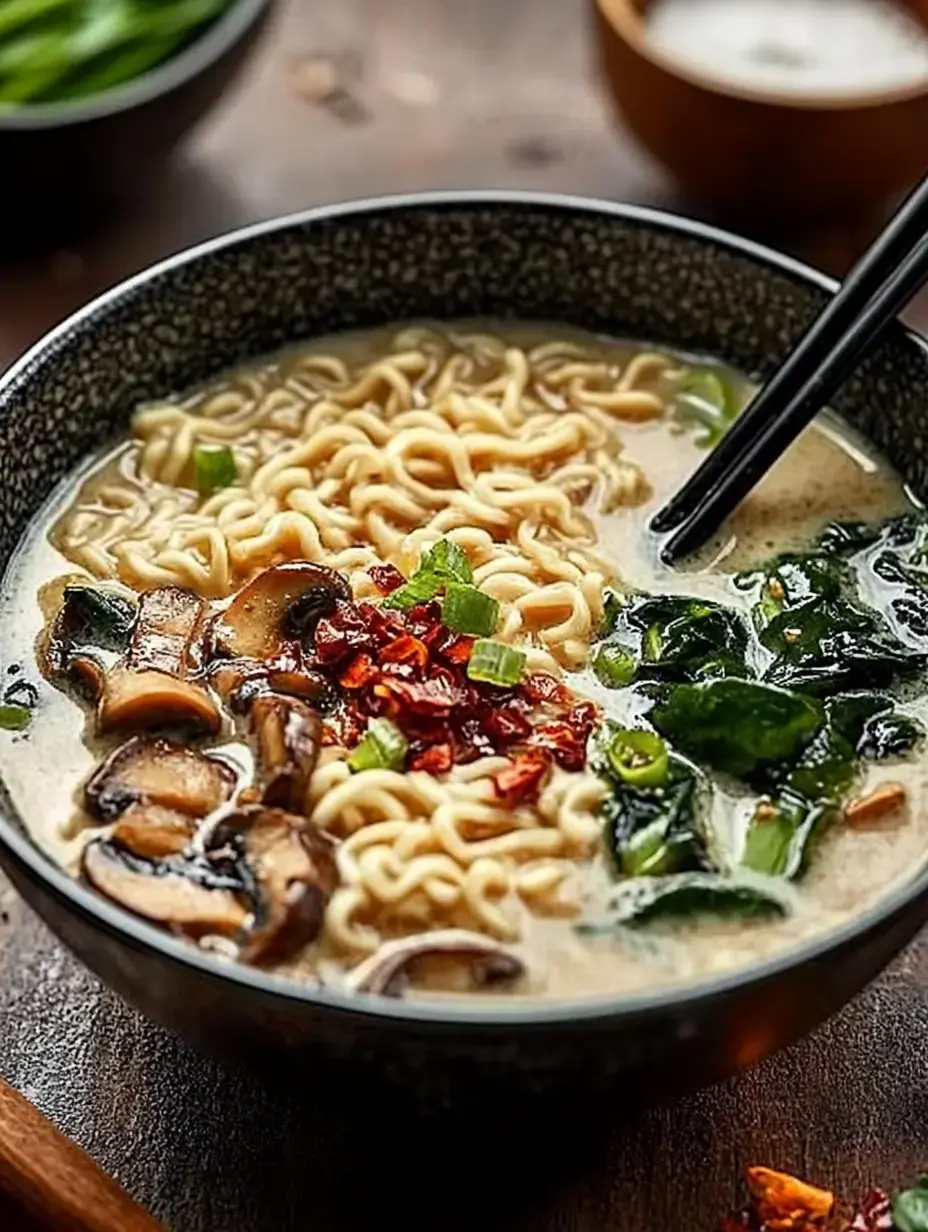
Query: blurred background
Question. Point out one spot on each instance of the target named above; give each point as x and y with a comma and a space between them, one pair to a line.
132, 128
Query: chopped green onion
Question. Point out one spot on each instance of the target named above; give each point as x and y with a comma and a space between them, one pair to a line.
214, 468
651, 644
707, 400
468, 610
383, 748
639, 758
419, 589
448, 560
15, 718
614, 666
494, 663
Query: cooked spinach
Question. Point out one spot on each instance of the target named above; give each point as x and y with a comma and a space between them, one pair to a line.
641, 900
789, 703
737, 725
677, 638
653, 823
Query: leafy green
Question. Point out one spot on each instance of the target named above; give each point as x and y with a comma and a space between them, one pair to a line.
737, 725
61, 50
642, 900
651, 828
910, 1208
707, 401
679, 638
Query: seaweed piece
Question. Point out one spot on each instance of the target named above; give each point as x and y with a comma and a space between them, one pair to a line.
641, 900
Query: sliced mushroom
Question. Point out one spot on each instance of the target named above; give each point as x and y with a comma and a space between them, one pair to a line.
158, 772
285, 601
89, 633
151, 688
146, 699
387, 971
293, 866
287, 735
174, 893
153, 832
239, 681
165, 628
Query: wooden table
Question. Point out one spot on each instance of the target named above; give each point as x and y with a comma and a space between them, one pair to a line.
431, 95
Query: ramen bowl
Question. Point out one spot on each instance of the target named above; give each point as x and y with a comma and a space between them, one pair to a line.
782, 157
62, 161
611, 269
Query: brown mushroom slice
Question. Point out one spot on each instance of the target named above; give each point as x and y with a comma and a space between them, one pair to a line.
165, 892
90, 631
147, 699
285, 601
158, 772
239, 681
153, 832
287, 734
387, 970
167, 624
293, 865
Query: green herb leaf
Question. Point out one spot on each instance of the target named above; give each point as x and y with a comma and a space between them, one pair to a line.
468, 610
737, 725
15, 718
640, 900
214, 468
384, 747
496, 663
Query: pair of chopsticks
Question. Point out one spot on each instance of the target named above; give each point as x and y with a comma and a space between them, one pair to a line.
55, 1184
879, 286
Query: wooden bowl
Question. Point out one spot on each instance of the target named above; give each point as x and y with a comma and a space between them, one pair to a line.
759, 153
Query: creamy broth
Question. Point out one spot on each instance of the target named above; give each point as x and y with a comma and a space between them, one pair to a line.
829, 474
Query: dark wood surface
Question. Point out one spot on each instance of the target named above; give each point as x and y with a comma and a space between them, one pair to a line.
430, 94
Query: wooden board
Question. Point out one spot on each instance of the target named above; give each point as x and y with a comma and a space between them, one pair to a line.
433, 94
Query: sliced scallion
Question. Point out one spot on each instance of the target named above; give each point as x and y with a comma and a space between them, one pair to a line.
419, 589
213, 468
468, 610
15, 718
383, 748
614, 666
639, 757
494, 663
448, 560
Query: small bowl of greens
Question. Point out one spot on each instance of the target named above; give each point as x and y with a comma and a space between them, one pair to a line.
94, 94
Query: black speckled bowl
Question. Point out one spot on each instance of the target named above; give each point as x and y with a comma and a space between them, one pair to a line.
611, 268
61, 162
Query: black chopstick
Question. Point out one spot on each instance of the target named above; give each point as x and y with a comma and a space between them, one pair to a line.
881, 283
779, 430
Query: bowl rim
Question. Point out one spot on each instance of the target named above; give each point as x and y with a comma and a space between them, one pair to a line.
475, 1013
218, 38
626, 22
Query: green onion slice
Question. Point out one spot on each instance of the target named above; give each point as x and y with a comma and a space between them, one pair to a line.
448, 560
468, 610
707, 400
639, 758
383, 748
213, 467
419, 589
15, 718
494, 663
614, 666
